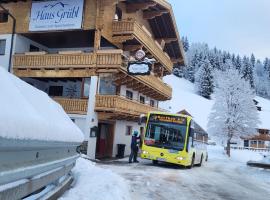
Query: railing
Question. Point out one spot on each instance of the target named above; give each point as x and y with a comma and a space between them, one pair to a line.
121, 28
121, 104
73, 106
102, 59
27, 166
158, 84
252, 149
54, 60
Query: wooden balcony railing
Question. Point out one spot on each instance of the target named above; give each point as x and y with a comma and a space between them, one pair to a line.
73, 106
122, 31
157, 84
67, 65
122, 105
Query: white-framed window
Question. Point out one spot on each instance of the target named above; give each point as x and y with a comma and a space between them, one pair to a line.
128, 130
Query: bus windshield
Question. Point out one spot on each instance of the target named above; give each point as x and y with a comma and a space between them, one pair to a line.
165, 135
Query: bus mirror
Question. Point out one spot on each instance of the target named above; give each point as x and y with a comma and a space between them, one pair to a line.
142, 119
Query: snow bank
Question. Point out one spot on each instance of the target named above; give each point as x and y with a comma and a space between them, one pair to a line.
185, 97
96, 183
27, 113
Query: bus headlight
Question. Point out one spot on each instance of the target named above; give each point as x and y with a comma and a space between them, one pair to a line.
180, 158
145, 152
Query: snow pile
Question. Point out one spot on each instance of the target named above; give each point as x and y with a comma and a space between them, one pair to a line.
96, 183
185, 97
27, 113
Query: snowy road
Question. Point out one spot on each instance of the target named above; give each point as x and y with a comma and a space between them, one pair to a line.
219, 178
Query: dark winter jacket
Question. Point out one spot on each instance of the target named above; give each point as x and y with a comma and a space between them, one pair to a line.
135, 140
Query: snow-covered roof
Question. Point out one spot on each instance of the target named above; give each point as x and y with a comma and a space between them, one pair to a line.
264, 114
184, 97
28, 113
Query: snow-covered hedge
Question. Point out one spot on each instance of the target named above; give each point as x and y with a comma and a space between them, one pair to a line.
27, 113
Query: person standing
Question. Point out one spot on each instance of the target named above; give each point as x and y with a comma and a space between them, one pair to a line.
135, 142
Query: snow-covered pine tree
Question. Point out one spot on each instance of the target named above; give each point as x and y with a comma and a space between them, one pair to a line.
247, 71
204, 79
233, 113
261, 80
185, 43
238, 63
266, 65
252, 60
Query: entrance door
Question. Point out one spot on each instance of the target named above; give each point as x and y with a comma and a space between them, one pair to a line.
104, 141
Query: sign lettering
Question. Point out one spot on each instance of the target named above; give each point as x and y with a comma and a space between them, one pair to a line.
56, 15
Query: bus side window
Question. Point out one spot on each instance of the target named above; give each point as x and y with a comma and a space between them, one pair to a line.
190, 136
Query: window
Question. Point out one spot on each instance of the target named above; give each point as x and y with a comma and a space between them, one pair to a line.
56, 91
142, 99
253, 142
33, 48
129, 94
260, 142
86, 87
152, 103
128, 130
2, 47
118, 14
3, 16
107, 86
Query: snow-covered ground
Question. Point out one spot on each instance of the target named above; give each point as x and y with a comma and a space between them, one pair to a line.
28, 113
92, 182
219, 178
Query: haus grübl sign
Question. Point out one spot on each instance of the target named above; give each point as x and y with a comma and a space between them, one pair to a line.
56, 15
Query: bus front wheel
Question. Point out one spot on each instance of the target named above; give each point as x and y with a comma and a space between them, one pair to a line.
155, 162
192, 162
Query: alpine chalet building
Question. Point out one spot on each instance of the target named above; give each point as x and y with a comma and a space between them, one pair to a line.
78, 52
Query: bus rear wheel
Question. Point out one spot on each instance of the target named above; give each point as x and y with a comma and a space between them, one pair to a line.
200, 164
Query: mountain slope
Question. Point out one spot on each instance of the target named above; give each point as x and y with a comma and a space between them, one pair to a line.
185, 97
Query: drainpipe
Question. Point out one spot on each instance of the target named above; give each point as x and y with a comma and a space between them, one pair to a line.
12, 36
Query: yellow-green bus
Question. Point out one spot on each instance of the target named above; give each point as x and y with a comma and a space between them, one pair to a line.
174, 138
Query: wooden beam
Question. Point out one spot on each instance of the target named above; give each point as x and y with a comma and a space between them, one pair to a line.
134, 7
177, 60
153, 14
132, 47
166, 40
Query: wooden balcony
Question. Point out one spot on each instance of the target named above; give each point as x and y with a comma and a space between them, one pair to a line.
151, 85
118, 107
73, 106
128, 30
67, 64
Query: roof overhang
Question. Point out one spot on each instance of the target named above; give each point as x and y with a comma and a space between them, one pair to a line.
161, 19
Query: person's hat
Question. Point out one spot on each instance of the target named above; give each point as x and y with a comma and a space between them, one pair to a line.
135, 133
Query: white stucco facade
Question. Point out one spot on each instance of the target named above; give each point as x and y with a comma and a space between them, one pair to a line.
120, 136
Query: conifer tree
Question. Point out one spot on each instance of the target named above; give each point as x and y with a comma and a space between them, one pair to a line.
204, 79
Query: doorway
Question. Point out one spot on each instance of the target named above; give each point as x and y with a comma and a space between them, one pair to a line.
104, 147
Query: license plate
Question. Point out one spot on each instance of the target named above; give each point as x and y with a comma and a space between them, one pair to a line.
161, 159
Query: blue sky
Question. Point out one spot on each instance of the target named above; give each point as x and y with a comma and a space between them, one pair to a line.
238, 26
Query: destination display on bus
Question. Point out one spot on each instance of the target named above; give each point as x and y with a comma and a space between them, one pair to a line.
167, 118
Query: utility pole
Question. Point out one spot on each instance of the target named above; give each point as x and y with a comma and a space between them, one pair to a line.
12, 36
